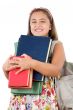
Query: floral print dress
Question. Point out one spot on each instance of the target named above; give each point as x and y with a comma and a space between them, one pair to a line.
46, 101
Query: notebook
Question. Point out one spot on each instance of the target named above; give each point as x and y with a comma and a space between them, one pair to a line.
37, 47
20, 80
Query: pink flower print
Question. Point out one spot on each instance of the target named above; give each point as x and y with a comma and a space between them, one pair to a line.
37, 102
53, 91
44, 91
43, 103
49, 93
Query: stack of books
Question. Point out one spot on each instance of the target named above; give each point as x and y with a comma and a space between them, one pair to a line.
38, 48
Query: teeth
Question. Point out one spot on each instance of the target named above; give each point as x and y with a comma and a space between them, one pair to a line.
38, 30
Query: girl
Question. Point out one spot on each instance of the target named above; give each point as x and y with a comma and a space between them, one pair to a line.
40, 23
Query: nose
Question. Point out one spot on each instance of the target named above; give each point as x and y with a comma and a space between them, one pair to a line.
38, 24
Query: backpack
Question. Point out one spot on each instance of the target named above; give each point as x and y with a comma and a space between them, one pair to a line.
64, 87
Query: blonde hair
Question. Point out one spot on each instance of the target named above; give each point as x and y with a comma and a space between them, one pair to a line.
52, 33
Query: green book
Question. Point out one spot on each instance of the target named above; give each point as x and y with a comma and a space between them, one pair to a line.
35, 90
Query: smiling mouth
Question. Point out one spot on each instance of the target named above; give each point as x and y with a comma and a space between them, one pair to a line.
38, 30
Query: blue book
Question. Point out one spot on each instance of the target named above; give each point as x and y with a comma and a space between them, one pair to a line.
37, 47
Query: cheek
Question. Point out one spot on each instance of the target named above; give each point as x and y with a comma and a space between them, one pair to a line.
31, 27
48, 27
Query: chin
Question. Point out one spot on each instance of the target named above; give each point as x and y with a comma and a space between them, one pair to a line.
41, 35
38, 35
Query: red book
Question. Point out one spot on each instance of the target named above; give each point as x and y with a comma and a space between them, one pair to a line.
20, 80
29, 85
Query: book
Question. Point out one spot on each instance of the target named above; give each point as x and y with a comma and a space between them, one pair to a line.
20, 83
38, 47
22, 79
35, 90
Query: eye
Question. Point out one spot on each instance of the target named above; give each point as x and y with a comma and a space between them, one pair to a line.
33, 22
42, 21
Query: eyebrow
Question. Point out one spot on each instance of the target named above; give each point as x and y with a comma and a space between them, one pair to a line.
39, 19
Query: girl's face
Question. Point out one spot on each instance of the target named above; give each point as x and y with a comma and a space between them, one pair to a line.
39, 24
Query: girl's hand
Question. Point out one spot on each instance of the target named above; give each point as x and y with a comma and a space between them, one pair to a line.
21, 62
7, 66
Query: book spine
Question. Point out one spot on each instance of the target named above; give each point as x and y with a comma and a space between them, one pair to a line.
48, 50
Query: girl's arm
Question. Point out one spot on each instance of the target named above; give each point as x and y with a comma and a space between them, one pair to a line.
7, 66
53, 68
6, 73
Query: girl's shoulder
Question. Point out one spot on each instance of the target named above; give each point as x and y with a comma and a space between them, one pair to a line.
54, 42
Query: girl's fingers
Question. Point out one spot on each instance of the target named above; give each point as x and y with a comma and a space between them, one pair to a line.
16, 58
13, 67
14, 62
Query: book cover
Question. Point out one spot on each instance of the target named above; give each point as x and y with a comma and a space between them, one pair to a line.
35, 90
20, 80
37, 47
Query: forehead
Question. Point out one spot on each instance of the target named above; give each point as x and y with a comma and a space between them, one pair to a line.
38, 15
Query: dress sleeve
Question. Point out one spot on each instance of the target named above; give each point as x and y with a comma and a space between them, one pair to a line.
53, 45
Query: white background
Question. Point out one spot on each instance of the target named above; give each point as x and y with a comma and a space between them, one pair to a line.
13, 22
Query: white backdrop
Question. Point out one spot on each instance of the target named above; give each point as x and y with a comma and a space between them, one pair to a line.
13, 22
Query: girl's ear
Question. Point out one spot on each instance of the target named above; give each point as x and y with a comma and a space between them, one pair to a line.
49, 27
